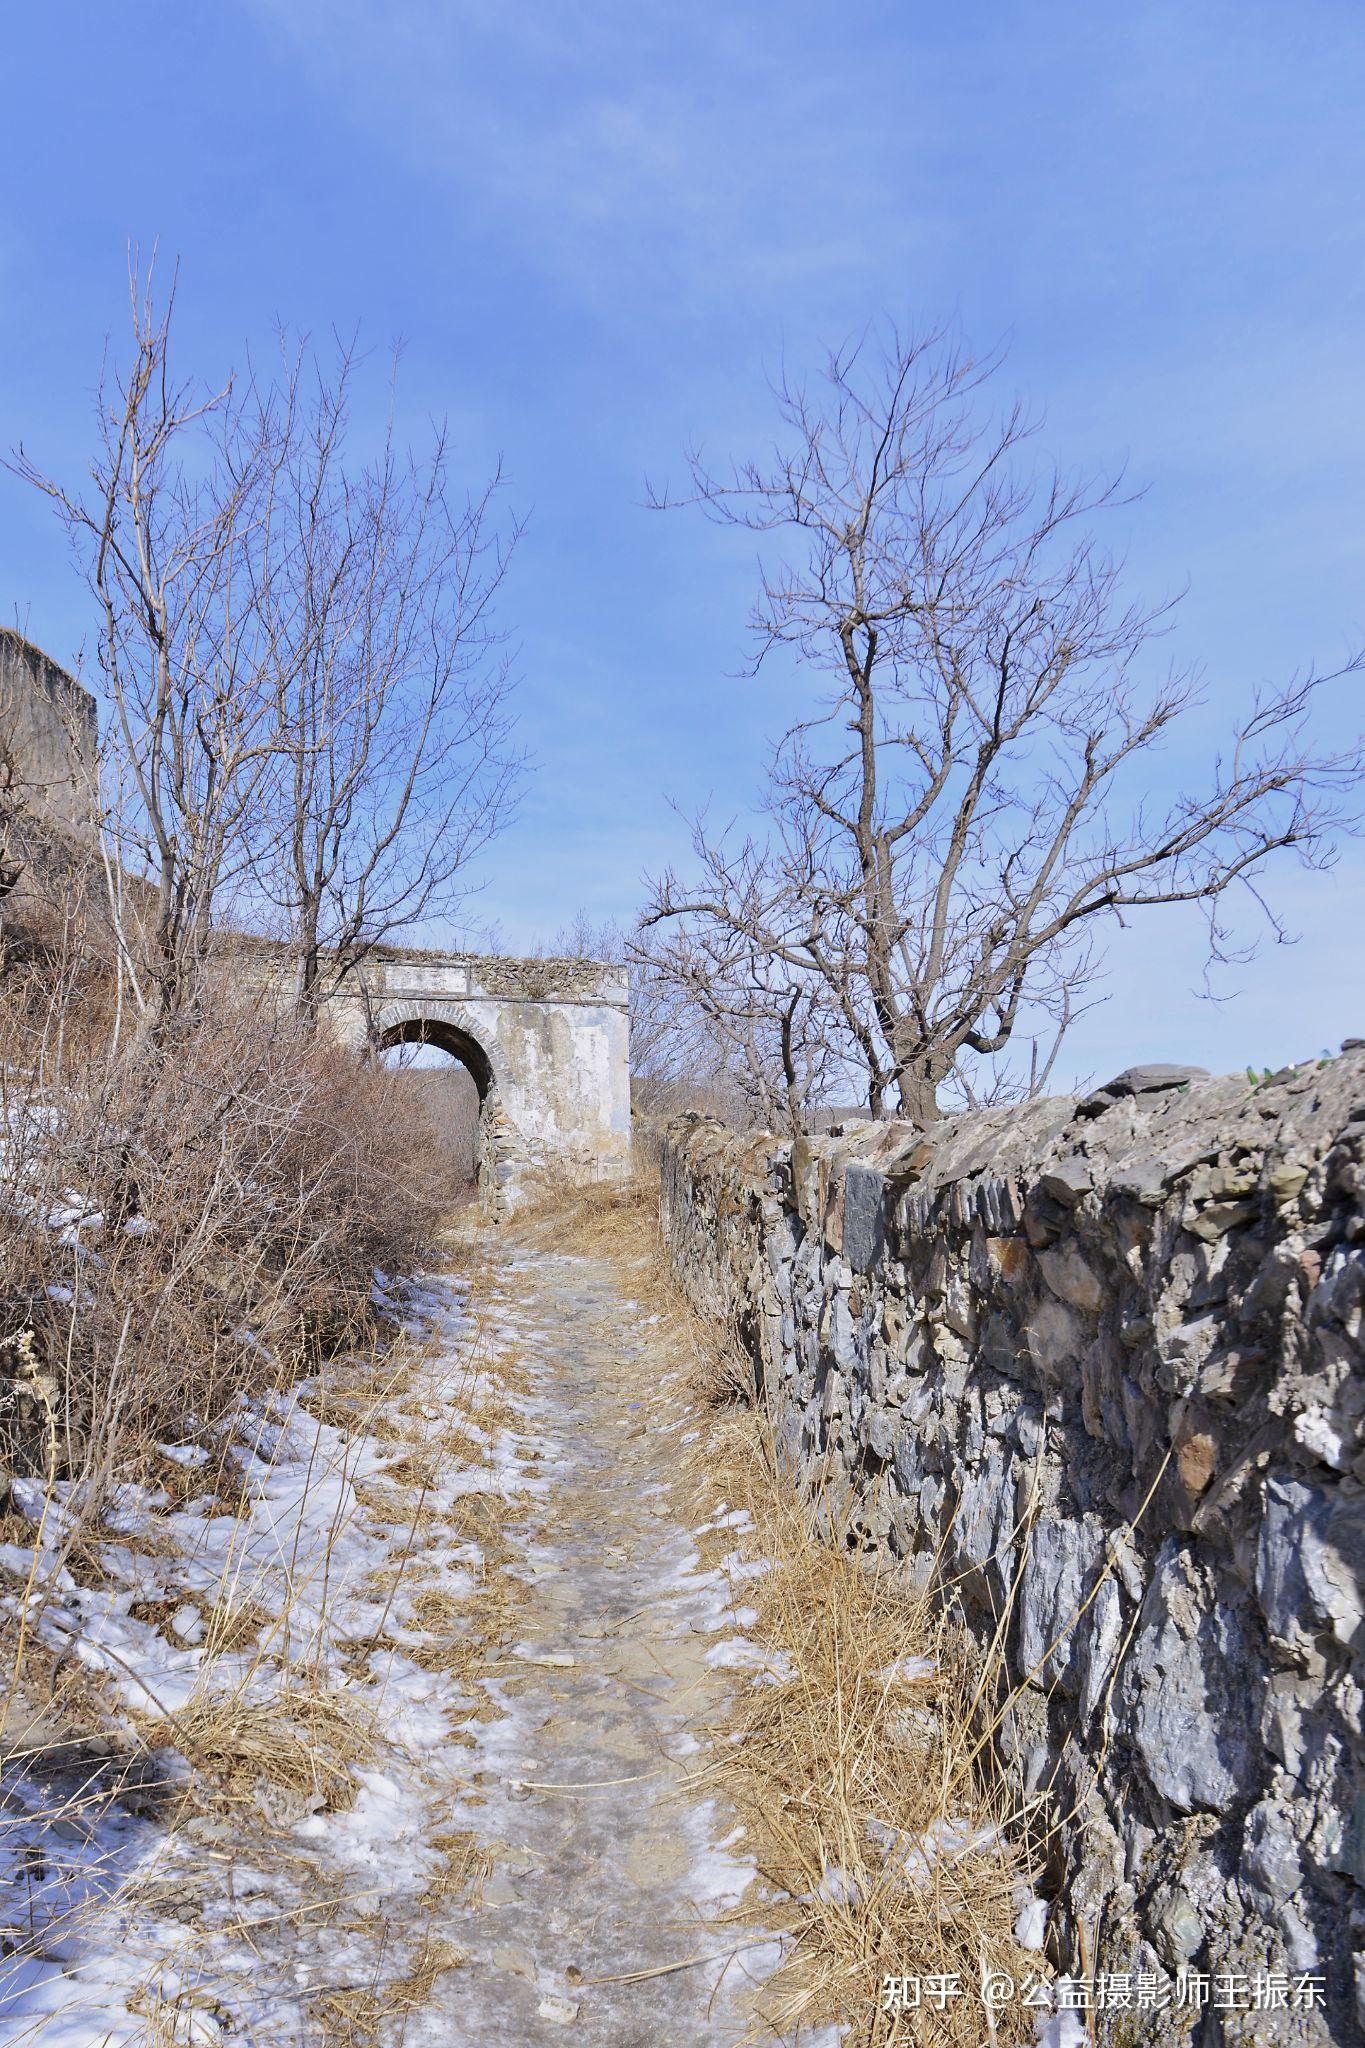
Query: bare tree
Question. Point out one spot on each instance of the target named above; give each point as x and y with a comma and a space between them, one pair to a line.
738, 1013
309, 708
391, 765
181, 494
700, 1037
963, 809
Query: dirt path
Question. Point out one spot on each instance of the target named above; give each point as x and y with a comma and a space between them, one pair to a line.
607, 1865
432, 1710
400, 1736
394, 1725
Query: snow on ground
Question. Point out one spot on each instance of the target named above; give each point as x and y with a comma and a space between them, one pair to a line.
113, 1911
409, 1737
401, 1737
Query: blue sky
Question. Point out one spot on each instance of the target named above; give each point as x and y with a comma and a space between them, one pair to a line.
595, 228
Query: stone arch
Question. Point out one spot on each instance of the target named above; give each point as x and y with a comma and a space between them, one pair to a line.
449, 1027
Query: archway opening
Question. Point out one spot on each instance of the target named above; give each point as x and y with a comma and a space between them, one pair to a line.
451, 1083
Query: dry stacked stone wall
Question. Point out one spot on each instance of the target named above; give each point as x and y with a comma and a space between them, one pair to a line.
1093, 1367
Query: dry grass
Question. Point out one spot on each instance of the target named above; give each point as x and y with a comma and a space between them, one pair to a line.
467, 1864
54, 1709
360, 2016
871, 1806
872, 1813
305, 1744
235, 1623
607, 1219
464, 1636
177, 2020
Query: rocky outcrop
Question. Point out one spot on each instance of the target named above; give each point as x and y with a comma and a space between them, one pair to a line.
1093, 1366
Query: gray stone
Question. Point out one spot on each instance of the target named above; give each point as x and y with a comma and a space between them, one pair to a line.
1102, 1643
1302, 1575
1216, 1219
1270, 1854
881, 1434
1334, 1567
984, 1521
1071, 1279
1056, 1338
1183, 1350
908, 1457
1310, 1561
864, 1216
1148, 1080
1190, 1711
1348, 1854
1177, 1927
1283, 1717
1063, 1558
1069, 1180
843, 1341
1031, 1430
1149, 1371
1142, 1180
1153, 1079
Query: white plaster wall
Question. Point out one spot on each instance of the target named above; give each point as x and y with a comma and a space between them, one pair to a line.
563, 1075
561, 1064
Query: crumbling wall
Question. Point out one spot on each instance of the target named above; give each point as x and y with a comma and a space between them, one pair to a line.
1094, 1368
48, 724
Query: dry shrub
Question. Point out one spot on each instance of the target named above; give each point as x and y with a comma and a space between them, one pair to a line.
187, 1224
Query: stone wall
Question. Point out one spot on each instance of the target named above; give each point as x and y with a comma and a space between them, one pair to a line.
49, 722
1093, 1367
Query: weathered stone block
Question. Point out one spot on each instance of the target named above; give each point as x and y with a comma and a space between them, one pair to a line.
1191, 1690
1071, 1279
864, 1216
1062, 1563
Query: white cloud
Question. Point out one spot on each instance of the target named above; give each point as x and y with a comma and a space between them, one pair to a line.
713, 147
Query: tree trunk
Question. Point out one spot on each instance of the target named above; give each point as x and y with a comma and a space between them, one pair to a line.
917, 1086
308, 971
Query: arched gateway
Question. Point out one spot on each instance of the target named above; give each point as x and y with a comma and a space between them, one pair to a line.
546, 1042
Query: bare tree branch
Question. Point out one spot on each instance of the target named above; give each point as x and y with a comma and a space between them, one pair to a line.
310, 703
968, 799
389, 685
